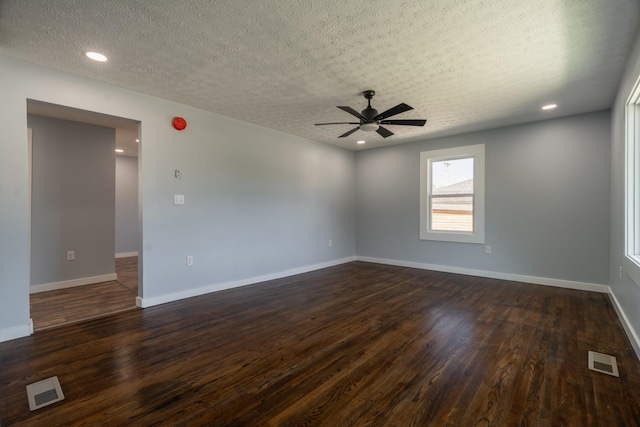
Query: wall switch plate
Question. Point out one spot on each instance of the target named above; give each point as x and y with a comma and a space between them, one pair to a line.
487, 249
71, 255
330, 242
189, 260
178, 199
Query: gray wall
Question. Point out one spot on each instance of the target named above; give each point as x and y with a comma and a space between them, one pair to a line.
73, 196
126, 204
625, 290
547, 198
257, 201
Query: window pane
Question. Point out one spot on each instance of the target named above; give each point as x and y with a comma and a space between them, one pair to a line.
452, 213
452, 176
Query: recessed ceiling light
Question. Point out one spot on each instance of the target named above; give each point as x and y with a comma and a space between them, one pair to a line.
361, 142
95, 56
549, 106
118, 150
137, 140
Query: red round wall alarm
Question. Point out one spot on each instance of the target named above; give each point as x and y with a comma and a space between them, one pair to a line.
179, 123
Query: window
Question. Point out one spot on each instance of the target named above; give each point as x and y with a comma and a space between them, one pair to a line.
632, 174
452, 194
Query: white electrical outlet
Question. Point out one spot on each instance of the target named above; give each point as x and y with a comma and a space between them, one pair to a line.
71, 255
178, 199
189, 260
330, 242
487, 249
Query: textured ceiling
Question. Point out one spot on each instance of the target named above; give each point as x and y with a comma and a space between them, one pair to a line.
462, 64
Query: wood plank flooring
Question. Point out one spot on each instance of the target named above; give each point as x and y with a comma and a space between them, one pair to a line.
358, 344
55, 308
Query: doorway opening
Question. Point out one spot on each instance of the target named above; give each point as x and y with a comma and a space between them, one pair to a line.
85, 230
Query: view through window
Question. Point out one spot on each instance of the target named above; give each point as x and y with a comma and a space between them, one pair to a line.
452, 195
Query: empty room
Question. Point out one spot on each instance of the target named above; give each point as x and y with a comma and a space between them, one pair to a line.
338, 213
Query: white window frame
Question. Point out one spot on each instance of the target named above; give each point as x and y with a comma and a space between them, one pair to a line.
632, 185
427, 158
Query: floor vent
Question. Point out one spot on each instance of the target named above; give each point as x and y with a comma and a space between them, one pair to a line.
603, 363
44, 393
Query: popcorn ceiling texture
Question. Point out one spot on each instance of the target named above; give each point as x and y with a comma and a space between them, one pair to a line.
462, 64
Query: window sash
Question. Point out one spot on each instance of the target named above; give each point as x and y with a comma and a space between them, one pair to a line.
444, 196
449, 221
431, 195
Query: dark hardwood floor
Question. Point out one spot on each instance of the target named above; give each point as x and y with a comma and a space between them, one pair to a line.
353, 345
64, 306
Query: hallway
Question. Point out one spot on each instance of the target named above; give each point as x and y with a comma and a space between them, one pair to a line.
61, 307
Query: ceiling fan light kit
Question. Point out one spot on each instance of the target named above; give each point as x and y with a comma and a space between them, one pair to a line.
369, 127
371, 121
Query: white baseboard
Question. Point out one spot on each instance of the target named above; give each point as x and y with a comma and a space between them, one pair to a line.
568, 284
626, 324
126, 254
14, 332
581, 286
162, 299
72, 283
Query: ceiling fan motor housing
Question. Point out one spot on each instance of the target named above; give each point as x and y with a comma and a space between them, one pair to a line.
369, 113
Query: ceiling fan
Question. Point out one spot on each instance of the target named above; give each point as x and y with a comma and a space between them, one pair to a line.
370, 120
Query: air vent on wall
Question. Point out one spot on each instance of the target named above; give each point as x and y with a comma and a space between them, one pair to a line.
44, 393
603, 363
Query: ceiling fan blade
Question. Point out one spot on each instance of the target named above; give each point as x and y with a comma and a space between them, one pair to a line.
384, 132
338, 123
408, 122
349, 133
352, 112
400, 108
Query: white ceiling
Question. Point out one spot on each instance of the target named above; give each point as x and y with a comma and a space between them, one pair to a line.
462, 64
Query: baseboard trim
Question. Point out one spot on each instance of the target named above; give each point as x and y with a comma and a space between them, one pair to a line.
568, 284
14, 332
126, 254
72, 283
162, 299
626, 324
